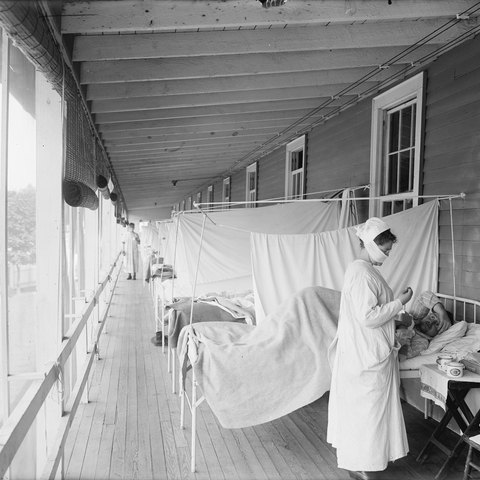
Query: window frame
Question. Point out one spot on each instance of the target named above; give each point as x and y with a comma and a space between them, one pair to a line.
209, 196
412, 89
295, 146
226, 199
250, 203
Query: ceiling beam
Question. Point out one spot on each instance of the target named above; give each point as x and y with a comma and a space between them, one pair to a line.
119, 71
195, 100
161, 139
146, 135
235, 42
91, 17
212, 120
215, 110
183, 86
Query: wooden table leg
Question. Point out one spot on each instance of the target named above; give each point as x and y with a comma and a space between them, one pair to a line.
422, 456
458, 403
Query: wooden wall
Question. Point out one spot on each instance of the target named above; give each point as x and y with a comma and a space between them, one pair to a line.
452, 163
338, 156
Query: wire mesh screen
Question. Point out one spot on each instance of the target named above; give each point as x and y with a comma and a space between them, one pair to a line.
80, 159
85, 160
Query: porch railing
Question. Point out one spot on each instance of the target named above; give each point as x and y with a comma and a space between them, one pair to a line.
18, 424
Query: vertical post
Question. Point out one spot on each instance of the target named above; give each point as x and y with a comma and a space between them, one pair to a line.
49, 240
182, 407
194, 419
3, 224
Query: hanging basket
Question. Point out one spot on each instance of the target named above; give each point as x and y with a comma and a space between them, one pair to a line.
77, 194
102, 184
113, 197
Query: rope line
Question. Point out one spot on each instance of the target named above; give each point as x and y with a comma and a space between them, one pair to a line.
413, 65
327, 200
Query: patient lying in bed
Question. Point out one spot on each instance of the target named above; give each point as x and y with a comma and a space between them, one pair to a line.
416, 338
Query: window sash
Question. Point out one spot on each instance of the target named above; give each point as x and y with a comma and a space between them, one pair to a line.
295, 169
395, 162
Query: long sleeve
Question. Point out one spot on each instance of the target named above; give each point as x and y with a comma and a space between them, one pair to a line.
373, 307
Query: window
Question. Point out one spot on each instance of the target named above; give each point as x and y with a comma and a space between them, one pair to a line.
52, 258
251, 191
183, 206
199, 197
226, 193
210, 196
295, 169
189, 203
397, 121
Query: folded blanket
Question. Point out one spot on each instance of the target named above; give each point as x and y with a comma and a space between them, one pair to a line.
202, 312
252, 375
234, 307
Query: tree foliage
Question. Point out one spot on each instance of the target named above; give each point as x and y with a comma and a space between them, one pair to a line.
21, 218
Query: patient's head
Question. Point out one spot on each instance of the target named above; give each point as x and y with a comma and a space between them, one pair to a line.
430, 325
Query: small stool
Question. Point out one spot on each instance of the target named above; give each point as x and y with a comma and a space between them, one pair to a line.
473, 444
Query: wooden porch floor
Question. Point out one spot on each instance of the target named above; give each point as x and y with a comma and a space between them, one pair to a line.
130, 427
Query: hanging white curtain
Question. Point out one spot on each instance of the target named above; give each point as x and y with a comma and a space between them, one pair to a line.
283, 264
225, 259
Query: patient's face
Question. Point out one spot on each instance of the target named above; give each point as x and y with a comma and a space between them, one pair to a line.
429, 325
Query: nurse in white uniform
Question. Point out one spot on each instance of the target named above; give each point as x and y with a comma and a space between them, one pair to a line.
365, 418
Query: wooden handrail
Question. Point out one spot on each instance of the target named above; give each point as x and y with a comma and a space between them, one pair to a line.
17, 425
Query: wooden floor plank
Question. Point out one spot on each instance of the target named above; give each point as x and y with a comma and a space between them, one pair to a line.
130, 427
117, 464
131, 431
100, 381
144, 454
111, 357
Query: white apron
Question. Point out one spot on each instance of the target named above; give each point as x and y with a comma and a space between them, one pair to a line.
365, 418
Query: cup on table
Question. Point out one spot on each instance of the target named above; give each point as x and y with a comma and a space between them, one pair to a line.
454, 369
443, 359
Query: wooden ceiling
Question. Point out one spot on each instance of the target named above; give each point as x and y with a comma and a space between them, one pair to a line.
194, 90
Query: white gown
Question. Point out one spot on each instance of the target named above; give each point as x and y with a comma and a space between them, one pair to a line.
365, 418
131, 250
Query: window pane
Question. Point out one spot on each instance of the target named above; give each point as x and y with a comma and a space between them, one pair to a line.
387, 209
297, 160
404, 175
392, 172
406, 128
394, 122
251, 177
21, 224
398, 206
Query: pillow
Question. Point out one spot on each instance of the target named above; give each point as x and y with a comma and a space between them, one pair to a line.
454, 332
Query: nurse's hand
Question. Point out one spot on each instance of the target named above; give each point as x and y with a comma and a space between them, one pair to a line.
406, 296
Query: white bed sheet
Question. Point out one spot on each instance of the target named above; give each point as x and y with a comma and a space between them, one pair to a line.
459, 340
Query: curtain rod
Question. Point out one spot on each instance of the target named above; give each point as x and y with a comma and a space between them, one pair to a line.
439, 197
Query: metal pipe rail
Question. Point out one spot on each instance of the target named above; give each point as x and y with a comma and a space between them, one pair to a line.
16, 427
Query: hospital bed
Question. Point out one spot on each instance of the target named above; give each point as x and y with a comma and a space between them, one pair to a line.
462, 309
244, 371
212, 307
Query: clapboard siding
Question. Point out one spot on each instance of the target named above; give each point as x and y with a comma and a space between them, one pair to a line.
338, 156
452, 164
238, 186
339, 151
271, 175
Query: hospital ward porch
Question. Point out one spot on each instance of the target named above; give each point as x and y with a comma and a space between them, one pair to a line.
130, 427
